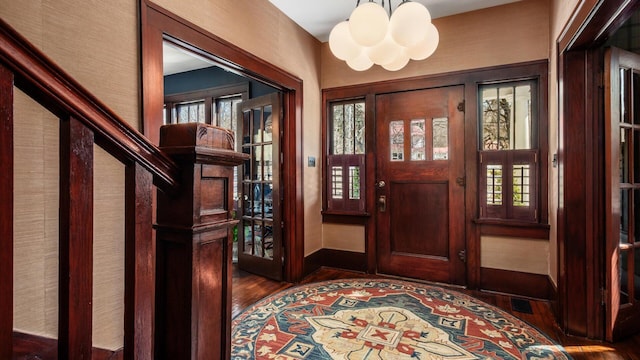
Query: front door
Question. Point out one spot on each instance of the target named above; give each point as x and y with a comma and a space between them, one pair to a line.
420, 184
260, 248
622, 168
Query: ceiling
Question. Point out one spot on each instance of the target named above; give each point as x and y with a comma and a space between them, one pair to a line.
319, 16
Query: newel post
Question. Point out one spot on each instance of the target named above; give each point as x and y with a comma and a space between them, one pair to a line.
194, 234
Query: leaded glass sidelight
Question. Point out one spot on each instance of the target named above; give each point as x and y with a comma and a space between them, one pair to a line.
346, 156
508, 150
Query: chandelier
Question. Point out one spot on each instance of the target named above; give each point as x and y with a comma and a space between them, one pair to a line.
370, 36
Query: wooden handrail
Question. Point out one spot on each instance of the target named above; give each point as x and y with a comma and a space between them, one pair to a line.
43, 80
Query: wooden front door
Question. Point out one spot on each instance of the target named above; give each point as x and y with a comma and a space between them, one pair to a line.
420, 184
622, 168
260, 248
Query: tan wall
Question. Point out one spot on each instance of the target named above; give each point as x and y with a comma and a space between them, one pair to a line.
560, 12
97, 44
261, 29
343, 237
496, 36
521, 254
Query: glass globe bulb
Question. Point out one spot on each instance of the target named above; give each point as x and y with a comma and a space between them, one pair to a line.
368, 24
342, 44
408, 24
427, 46
360, 63
401, 60
384, 52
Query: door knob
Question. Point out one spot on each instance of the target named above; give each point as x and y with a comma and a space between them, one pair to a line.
380, 184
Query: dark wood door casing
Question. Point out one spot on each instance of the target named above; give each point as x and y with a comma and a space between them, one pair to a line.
157, 23
580, 213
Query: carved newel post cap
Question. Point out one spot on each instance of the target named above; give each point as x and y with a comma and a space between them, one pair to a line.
201, 143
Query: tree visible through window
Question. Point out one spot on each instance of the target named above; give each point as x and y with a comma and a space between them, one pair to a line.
508, 154
345, 161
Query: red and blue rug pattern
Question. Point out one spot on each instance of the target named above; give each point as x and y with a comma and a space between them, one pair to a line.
382, 320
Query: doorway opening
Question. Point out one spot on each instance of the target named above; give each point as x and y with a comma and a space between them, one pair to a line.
271, 133
197, 89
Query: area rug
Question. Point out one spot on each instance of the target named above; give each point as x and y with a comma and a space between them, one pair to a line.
382, 320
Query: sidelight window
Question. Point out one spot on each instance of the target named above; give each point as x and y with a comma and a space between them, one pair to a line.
508, 151
346, 157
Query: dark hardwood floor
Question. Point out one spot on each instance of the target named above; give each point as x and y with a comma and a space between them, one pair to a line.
249, 288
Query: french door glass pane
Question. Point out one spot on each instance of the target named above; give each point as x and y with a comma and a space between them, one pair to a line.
440, 138
636, 274
624, 155
624, 96
623, 278
624, 216
636, 98
267, 240
248, 237
636, 156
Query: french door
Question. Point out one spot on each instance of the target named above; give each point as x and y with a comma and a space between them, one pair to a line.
260, 247
622, 168
420, 184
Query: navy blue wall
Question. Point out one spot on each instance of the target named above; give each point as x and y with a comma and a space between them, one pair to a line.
209, 78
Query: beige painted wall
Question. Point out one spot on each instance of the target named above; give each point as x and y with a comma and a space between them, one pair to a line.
343, 237
259, 28
560, 13
521, 254
97, 44
496, 36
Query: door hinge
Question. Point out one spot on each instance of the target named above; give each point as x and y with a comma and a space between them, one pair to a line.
461, 181
463, 255
603, 296
461, 106
282, 224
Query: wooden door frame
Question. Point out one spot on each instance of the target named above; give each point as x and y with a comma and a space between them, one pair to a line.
156, 23
470, 79
580, 216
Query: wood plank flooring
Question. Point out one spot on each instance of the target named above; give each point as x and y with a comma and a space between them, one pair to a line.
248, 289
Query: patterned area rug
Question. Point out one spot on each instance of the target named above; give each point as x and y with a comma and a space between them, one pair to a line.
382, 320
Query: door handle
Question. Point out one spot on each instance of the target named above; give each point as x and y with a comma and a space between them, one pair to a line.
380, 184
382, 203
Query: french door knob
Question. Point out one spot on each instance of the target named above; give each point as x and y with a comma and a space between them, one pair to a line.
380, 184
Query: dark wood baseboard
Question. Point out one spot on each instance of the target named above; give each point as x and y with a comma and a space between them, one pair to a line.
516, 283
26, 346
339, 259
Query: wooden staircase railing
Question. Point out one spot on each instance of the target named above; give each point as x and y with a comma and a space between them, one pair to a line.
84, 120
